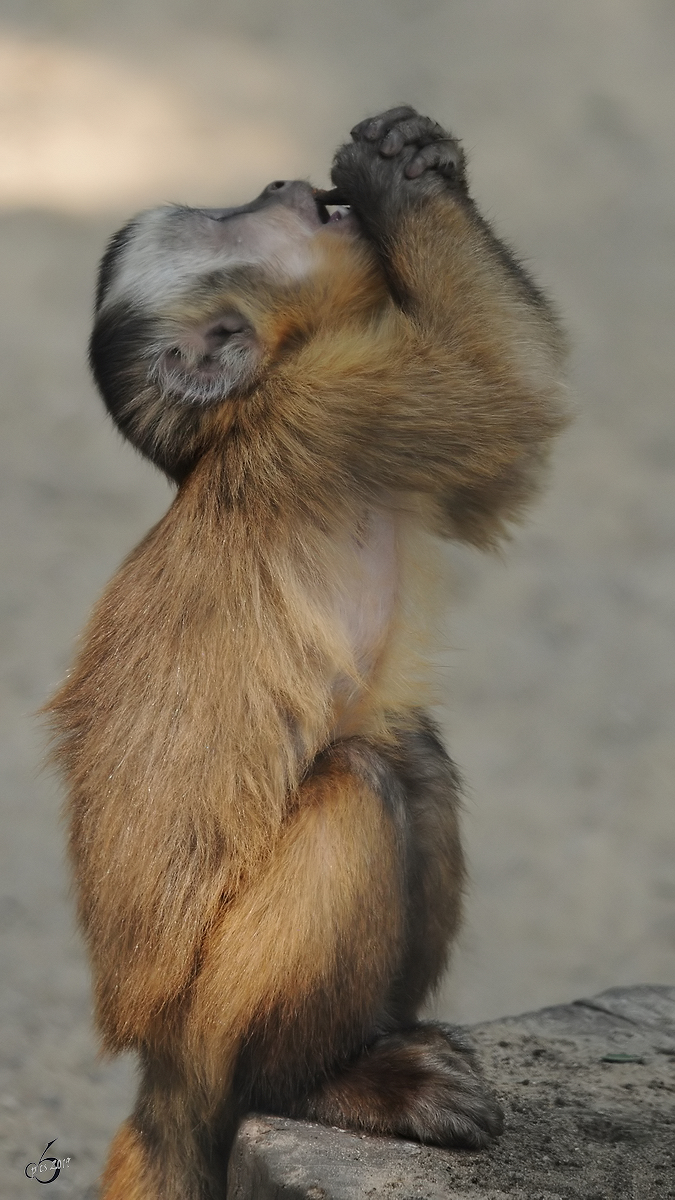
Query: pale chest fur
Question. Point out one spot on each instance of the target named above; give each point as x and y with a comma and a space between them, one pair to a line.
362, 601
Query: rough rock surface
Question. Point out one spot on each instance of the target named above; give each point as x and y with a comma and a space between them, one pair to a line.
589, 1094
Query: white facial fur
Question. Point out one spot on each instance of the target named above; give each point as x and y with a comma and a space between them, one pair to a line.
170, 247
159, 259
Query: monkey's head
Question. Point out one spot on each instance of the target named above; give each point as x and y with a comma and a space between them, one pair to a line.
195, 306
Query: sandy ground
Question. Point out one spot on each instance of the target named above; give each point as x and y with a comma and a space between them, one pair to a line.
560, 675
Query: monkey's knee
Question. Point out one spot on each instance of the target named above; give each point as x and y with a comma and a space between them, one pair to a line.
422, 1083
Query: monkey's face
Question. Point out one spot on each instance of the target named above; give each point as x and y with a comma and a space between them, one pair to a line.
194, 305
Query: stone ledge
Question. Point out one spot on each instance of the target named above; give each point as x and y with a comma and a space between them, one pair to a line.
589, 1094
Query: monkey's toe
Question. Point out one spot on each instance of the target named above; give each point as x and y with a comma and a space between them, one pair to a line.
421, 1083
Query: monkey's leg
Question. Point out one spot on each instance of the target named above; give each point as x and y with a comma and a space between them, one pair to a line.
414, 1080
298, 965
177, 1142
435, 863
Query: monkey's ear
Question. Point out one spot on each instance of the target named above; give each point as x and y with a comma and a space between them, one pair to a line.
204, 364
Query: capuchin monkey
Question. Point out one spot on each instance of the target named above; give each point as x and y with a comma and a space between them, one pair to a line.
263, 819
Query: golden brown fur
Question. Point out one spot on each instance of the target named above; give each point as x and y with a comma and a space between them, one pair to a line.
263, 825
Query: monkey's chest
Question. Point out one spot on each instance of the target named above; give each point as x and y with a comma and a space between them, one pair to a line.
366, 588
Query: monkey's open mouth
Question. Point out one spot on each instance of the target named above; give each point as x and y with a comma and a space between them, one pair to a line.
337, 214
331, 200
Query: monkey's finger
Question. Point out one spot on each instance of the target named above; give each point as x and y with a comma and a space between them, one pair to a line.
393, 142
374, 128
445, 156
334, 196
417, 131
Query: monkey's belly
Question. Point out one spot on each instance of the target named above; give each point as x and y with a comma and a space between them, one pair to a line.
366, 597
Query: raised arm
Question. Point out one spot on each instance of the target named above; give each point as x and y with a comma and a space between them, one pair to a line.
394, 169
458, 394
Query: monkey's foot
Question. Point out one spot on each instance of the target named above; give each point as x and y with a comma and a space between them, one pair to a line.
421, 1083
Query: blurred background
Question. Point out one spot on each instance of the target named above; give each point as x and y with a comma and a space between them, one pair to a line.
559, 674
